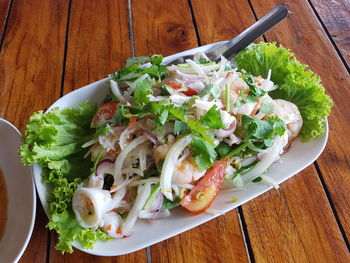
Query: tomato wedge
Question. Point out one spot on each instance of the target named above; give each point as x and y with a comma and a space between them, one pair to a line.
190, 92
104, 113
204, 193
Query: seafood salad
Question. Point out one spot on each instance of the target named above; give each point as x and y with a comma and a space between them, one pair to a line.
166, 137
173, 140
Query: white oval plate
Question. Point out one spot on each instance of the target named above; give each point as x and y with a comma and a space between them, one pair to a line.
20, 193
296, 159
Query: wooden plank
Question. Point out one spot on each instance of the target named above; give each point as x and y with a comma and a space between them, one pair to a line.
335, 16
303, 33
218, 22
31, 79
98, 44
82, 257
4, 8
98, 41
219, 240
37, 248
33, 58
162, 28
295, 223
158, 29
263, 238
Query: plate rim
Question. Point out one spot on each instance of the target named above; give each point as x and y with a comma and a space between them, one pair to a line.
32, 194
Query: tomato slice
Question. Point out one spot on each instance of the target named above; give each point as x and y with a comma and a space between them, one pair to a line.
190, 92
204, 193
132, 123
104, 113
174, 85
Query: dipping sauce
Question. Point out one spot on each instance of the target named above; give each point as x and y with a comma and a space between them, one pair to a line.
3, 204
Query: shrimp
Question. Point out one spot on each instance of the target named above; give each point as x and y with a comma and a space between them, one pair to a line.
185, 171
290, 114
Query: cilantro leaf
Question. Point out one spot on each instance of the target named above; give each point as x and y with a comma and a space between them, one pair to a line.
202, 60
263, 129
142, 89
180, 127
222, 149
254, 90
203, 152
162, 118
212, 119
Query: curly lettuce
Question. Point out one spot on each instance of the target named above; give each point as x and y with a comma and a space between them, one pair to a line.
296, 83
53, 140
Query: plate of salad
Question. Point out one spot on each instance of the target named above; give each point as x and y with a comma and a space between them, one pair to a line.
155, 149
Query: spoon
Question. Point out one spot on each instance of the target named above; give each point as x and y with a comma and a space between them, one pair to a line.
238, 43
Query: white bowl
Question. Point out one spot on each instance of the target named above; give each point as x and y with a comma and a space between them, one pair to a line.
20, 192
296, 159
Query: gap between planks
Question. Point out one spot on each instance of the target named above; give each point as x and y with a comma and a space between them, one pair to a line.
329, 36
5, 23
325, 188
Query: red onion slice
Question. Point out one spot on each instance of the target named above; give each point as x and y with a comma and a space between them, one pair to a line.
105, 166
149, 137
157, 204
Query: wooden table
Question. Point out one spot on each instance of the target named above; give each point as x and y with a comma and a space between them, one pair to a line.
51, 47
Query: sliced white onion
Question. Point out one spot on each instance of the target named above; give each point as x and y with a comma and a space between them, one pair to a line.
117, 197
269, 181
124, 138
146, 214
248, 160
116, 91
89, 143
143, 181
269, 157
169, 165
118, 165
141, 198
197, 68
157, 203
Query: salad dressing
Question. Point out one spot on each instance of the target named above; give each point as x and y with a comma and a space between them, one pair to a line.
3, 204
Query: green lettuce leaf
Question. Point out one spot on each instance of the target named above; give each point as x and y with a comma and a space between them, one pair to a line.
297, 83
54, 141
69, 230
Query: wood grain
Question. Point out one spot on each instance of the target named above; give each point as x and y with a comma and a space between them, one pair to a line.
217, 22
98, 44
303, 34
30, 76
31, 60
295, 223
36, 251
335, 16
82, 257
98, 41
262, 239
162, 28
219, 240
4, 8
